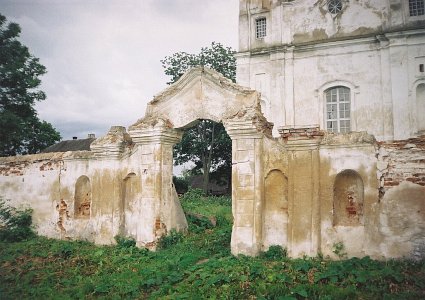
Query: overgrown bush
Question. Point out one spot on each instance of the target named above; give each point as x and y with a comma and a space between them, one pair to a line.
339, 250
125, 242
64, 249
172, 238
198, 223
181, 184
15, 224
274, 252
193, 195
197, 196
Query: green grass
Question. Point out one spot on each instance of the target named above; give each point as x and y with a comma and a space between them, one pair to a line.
195, 266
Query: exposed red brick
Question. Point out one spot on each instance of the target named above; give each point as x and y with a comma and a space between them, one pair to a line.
418, 174
393, 183
412, 179
158, 224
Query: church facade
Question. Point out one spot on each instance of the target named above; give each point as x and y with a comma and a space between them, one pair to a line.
340, 65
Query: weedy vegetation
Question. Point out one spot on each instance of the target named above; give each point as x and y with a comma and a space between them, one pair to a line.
15, 224
195, 265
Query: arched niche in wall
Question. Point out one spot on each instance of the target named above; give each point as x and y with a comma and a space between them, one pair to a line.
348, 199
420, 106
275, 209
82, 197
131, 188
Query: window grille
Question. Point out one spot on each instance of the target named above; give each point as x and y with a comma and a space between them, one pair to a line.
260, 28
338, 109
334, 6
416, 8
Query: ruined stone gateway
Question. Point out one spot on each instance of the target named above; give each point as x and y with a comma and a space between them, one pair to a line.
356, 176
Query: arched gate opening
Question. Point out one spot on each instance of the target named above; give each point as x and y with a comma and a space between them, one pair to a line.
205, 94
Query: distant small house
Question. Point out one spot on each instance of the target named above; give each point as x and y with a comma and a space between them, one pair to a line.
71, 145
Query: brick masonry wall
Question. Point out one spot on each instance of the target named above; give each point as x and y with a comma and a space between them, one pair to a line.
402, 160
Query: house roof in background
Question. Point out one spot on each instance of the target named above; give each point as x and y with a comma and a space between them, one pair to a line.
70, 145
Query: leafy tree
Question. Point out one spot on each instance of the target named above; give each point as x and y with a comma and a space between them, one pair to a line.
21, 131
207, 144
209, 147
216, 57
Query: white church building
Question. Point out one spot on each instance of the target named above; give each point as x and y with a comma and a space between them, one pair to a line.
342, 65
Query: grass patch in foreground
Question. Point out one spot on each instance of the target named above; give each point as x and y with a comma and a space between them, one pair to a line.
195, 266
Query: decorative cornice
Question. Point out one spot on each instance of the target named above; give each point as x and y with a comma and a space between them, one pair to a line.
154, 130
333, 42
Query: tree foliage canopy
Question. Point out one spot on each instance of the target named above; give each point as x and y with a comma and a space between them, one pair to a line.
209, 147
216, 57
206, 144
21, 131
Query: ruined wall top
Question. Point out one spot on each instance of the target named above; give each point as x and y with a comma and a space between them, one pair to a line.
51, 156
113, 144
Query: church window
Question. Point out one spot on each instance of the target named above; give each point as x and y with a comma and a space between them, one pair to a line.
420, 106
260, 28
338, 109
416, 7
335, 6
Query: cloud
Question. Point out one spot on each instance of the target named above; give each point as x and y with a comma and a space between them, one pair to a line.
103, 57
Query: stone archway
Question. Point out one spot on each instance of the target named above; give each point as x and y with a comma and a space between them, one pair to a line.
202, 93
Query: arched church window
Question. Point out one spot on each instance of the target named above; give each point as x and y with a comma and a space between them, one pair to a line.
338, 109
334, 6
420, 106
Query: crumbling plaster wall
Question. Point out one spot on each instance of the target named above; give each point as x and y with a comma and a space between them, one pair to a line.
384, 226
47, 183
401, 171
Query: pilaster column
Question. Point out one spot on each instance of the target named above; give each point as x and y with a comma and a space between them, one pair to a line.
247, 186
387, 131
288, 71
155, 144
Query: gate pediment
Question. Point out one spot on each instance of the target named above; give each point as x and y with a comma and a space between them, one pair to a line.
201, 93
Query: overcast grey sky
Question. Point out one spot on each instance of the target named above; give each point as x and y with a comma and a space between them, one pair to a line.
103, 56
